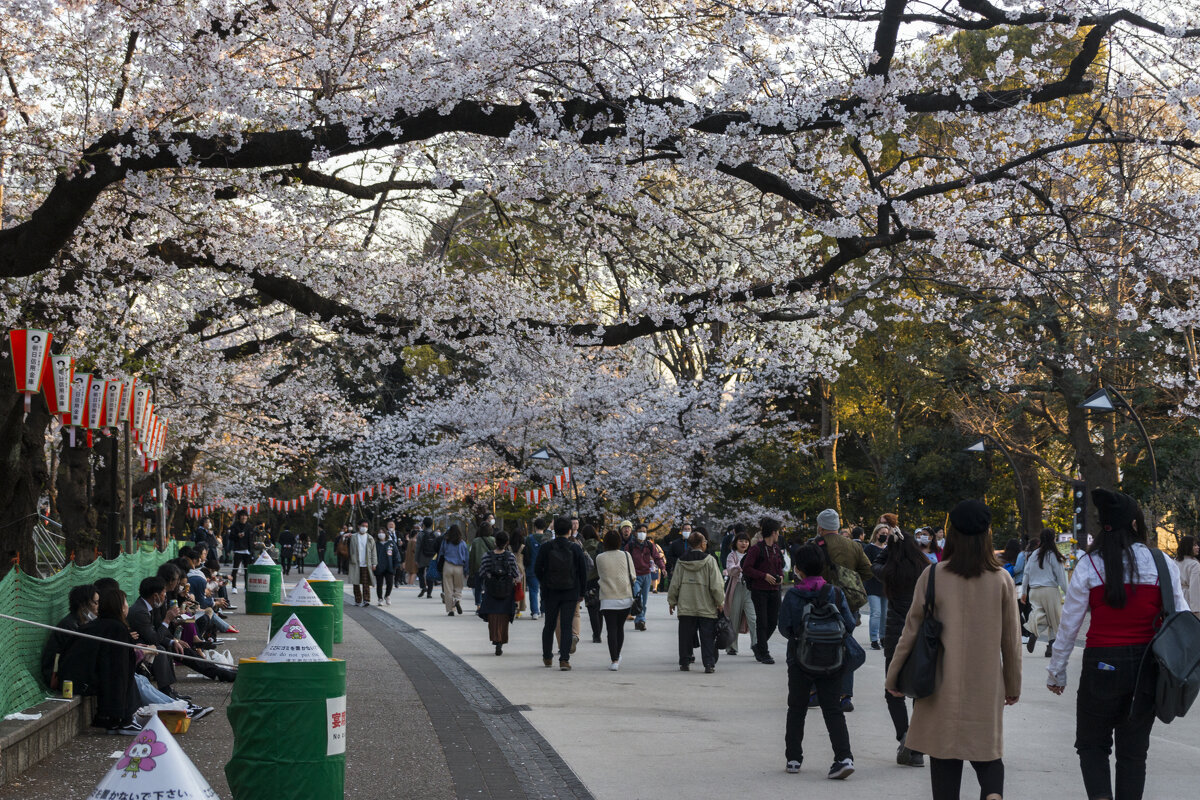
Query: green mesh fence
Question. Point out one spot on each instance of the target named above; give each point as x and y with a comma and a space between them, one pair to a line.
45, 600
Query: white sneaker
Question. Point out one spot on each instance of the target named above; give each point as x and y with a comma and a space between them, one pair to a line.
387, 601
233, 589
841, 769
378, 602
614, 666
793, 767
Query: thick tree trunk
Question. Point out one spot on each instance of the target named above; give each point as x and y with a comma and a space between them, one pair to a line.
22, 472
829, 432
78, 518
1030, 484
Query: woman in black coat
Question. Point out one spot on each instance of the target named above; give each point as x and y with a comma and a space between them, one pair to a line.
898, 566
106, 670
498, 572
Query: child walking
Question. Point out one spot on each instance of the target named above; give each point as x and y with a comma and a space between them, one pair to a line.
816, 658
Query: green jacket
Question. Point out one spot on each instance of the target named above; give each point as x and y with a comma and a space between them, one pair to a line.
480, 547
697, 588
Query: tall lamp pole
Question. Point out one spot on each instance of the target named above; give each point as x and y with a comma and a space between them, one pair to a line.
1109, 399
981, 447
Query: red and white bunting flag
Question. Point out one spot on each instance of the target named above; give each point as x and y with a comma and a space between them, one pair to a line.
558, 483
548, 490
512, 492
566, 475
303, 500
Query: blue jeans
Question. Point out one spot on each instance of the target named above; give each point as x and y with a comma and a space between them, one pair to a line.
878, 604
148, 693
532, 591
641, 588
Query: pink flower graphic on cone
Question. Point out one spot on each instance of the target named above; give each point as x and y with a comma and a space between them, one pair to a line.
293, 630
139, 757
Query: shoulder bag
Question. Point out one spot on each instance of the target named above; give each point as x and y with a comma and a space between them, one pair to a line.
636, 608
1175, 651
918, 676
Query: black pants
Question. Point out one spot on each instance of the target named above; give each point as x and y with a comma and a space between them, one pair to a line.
829, 689
946, 776
285, 555
706, 629
244, 560
343, 565
766, 608
422, 581
162, 667
383, 582
595, 619
614, 625
897, 706
559, 607
1110, 707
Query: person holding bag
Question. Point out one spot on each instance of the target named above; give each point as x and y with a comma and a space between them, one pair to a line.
698, 591
975, 603
1118, 582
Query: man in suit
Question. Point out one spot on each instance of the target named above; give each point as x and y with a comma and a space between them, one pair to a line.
150, 620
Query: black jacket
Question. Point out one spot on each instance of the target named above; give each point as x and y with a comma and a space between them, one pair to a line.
148, 625
104, 670
57, 645
578, 562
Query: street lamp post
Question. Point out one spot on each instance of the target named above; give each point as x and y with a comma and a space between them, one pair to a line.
1108, 399
544, 455
981, 447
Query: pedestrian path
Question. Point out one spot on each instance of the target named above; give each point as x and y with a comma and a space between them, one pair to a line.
651, 731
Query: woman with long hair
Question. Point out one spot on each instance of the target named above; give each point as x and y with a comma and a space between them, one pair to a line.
979, 671
1117, 581
614, 570
1189, 571
738, 606
454, 556
898, 566
106, 670
498, 576
1044, 579
1008, 558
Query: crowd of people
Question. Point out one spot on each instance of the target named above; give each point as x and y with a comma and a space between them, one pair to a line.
813, 592
127, 654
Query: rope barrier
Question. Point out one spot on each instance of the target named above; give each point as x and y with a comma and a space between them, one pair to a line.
135, 646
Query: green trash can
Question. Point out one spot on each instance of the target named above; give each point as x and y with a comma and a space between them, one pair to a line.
264, 587
289, 730
333, 593
318, 620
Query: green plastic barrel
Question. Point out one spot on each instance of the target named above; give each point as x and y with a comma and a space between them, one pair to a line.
317, 620
333, 593
264, 587
289, 730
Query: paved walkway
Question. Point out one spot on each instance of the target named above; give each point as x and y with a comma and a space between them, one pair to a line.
651, 731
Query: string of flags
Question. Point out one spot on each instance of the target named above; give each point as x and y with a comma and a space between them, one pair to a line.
456, 491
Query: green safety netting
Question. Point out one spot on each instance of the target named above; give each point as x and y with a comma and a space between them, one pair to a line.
45, 600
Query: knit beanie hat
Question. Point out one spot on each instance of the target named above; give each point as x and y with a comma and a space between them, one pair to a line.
828, 520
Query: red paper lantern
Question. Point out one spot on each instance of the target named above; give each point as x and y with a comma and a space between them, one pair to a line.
56, 386
112, 402
29, 349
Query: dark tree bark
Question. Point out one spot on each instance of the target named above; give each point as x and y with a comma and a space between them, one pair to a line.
77, 517
22, 472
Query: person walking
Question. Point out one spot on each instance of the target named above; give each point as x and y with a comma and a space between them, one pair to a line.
1118, 582
454, 556
410, 556
322, 543
498, 577
561, 570
763, 568
980, 664
427, 550
287, 549
1189, 571
362, 565
645, 554
1043, 578
591, 595
483, 543
739, 608
876, 597
533, 543
811, 594
843, 552
341, 550
239, 540
898, 566
614, 571
698, 592
387, 563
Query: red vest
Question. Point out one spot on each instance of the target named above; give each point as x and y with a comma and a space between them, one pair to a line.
1121, 627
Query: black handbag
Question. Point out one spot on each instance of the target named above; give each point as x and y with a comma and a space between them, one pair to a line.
918, 676
725, 634
636, 608
1174, 651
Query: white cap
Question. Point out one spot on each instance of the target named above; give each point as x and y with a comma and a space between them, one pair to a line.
303, 595
322, 573
153, 765
292, 643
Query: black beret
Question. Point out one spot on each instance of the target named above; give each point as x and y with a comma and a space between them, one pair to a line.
971, 518
1116, 510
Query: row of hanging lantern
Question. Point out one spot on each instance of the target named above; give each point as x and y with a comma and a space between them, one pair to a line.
83, 400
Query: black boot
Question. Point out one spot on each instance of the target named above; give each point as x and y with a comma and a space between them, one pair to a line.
1049, 648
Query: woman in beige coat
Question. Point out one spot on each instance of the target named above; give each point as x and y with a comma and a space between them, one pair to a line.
979, 669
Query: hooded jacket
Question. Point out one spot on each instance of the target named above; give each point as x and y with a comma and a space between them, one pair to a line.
697, 588
800, 596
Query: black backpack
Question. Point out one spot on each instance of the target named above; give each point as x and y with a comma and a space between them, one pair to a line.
821, 645
497, 582
1175, 650
429, 544
560, 565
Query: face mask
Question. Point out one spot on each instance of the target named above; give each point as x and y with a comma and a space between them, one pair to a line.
641, 536
491, 521
89, 616
922, 540
362, 530
382, 536
686, 533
